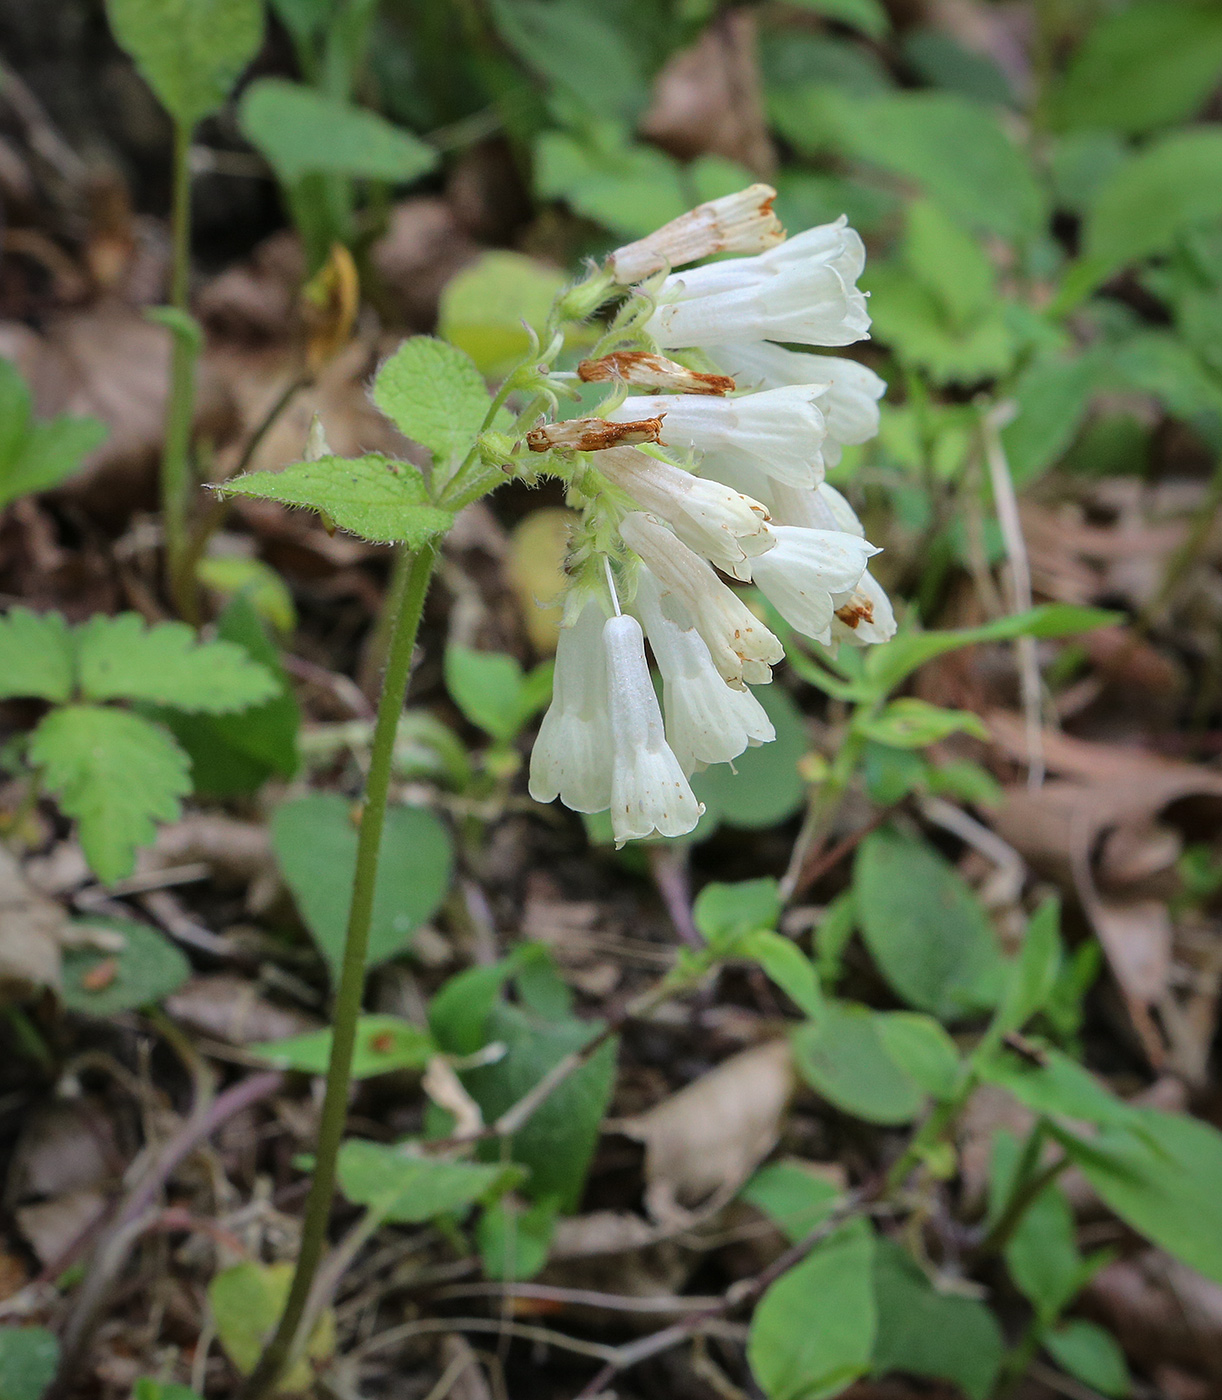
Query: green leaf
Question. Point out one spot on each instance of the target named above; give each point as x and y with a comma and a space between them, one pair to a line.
1042, 1254
955, 148
233, 755
190, 52
28, 1358
1160, 1174
1091, 1354
1033, 976
843, 1058
558, 1141
922, 1049
793, 1195
121, 658
383, 1043
1142, 67
372, 496
304, 132
1168, 187
433, 394
315, 838
909, 723
1054, 1085
48, 453
514, 1239
787, 965
146, 1388
867, 15
483, 307
146, 969
949, 262
458, 1014
925, 928
927, 1333
1053, 397
246, 1302
492, 691
813, 1331
725, 912
407, 1189
116, 774
232, 575
888, 664
764, 786
629, 189
37, 656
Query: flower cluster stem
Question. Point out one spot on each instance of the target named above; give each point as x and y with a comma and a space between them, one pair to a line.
406, 606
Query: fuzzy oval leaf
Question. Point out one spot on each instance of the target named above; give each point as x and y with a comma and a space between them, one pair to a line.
433, 394
121, 658
117, 774
925, 928
36, 655
813, 1331
314, 839
190, 52
146, 969
409, 1189
383, 1043
304, 132
372, 496
28, 1358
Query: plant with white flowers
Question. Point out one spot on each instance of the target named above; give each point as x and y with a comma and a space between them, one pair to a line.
704, 467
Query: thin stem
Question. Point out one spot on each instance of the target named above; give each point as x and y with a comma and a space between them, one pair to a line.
407, 606
180, 406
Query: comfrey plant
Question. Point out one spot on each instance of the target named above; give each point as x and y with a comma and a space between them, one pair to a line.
715, 467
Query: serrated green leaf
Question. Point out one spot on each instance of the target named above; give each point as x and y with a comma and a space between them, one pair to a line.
433, 394
813, 1331
383, 1043
28, 1358
37, 656
305, 132
121, 658
372, 496
190, 52
146, 969
927, 1333
410, 1189
1093, 1355
117, 774
315, 838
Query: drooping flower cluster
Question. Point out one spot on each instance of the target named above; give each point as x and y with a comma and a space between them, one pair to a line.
708, 474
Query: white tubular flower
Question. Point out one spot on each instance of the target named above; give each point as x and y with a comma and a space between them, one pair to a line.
824, 508
706, 721
572, 755
865, 617
804, 291
735, 223
649, 790
723, 525
850, 405
742, 648
805, 573
777, 433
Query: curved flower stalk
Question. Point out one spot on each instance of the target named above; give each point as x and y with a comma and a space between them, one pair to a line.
711, 477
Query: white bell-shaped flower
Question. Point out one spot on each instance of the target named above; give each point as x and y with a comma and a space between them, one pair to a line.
823, 508
808, 568
742, 648
571, 758
649, 790
865, 617
707, 721
850, 405
777, 433
723, 525
833, 245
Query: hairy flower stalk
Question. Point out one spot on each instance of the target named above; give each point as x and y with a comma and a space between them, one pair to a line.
706, 477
